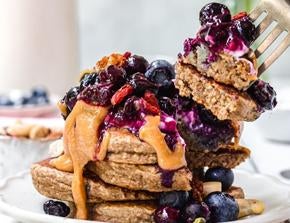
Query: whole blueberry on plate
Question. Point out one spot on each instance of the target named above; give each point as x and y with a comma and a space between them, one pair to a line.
175, 199
214, 13
136, 64
166, 214
56, 208
220, 174
222, 206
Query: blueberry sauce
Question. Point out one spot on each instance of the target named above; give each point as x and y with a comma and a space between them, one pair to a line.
166, 177
203, 125
220, 33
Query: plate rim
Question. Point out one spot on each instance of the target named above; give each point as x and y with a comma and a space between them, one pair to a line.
21, 214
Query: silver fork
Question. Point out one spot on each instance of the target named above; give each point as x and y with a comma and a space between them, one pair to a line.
277, 11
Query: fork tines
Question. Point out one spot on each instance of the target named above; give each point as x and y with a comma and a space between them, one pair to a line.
276, 11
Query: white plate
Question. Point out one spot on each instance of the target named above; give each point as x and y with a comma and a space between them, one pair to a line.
20, 200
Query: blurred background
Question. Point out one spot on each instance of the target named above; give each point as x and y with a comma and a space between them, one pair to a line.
48, 42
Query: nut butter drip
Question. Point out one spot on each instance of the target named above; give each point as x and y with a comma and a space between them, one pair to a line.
238, 128
167, 159
80, 140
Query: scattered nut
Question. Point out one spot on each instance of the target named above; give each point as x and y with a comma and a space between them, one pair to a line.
236, 192
19, 130
209, 187
250, 207
37, 132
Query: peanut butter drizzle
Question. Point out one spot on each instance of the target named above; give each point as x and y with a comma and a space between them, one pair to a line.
167, 159
238, 128
80, 140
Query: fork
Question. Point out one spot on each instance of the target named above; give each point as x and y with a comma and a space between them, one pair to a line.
277, 11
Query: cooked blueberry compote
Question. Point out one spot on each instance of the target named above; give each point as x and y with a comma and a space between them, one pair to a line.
56, 208
220, 33
203, 125
130, 88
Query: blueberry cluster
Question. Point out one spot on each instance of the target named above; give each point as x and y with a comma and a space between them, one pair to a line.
220, 31
180, 207
131, 90
37, 96
98, 88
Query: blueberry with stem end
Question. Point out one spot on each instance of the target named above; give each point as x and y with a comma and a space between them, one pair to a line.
220, 174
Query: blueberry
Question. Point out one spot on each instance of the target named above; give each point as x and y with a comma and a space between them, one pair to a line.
71, 97
112, 75
166, 214
222, 206
175, 199
162, 73
98, 94
170, 140
246, 29
140, 83
88, 79
39, 92
5, 101
136, 64
167, 105
56, 208
214, 12
221, 174
195, 210
263, 94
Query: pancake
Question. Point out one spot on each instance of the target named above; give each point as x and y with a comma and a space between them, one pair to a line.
225, 102
56, 184
226, 69
141, 177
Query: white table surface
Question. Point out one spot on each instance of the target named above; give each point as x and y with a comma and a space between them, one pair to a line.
270, 157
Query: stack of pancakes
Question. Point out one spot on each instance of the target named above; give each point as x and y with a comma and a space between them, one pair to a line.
122, 188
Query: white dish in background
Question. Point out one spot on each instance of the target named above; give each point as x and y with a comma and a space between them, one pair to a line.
28, 110
17, 154
20, 200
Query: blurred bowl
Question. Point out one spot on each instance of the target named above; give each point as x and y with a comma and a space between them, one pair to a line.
275, 125
28, 110
17, 154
